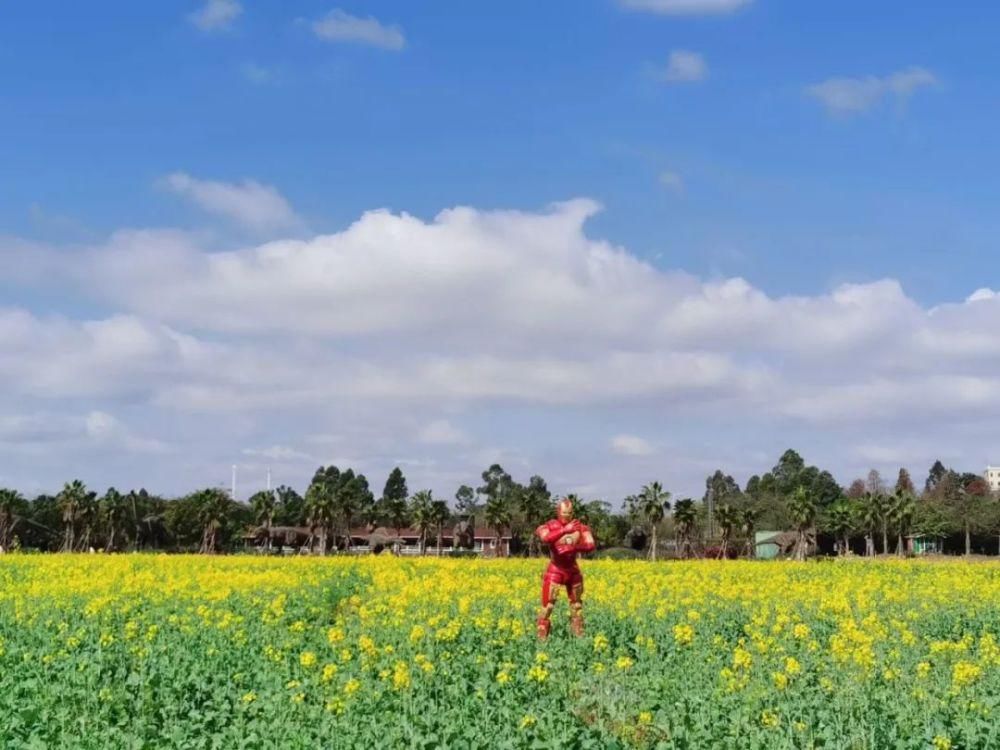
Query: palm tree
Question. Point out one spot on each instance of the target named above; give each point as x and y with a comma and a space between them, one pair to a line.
728, 518
397, 513
748, 525
841, 520
440, 513
89, 515
685, 515
497, 517
112, 512
319, 512
72, 496
803, 510
422, 513
902, 507
263, 504
651, 505
213, 506
11, 503
534, 505
869, 516
884, 509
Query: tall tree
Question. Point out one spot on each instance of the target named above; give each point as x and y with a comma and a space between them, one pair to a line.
498, 517
968, 504
902, 506
350, 495
534, 505
728, 517
497, 486
70, 499
465, 500
264, 504
113, 512
289, 507
840, 521
88, 514
786, 472
394, 496
214, 507
720, 489
870, 517
937, 473
12, 507
422, 513
496, 483
685, 516
803, 510
440, 514
857, 489
651, 505
320, 509
874, 483
748, 526
904, 483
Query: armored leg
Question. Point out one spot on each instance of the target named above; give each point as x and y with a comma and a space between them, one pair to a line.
549, 594
576, 608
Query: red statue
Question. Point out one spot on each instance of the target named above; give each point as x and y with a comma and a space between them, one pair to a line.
567, 538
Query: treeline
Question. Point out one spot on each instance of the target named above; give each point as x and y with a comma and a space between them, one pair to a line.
813, 511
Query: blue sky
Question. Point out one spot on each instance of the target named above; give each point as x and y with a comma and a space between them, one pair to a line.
798, 146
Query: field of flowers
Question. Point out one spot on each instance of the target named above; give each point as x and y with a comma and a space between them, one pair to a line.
241, 652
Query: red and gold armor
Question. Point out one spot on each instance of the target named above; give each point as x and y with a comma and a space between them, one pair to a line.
566, 538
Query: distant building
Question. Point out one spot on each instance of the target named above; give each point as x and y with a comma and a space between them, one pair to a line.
992, 477
407, 541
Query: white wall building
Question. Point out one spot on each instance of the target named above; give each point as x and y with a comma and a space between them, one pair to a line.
992, 476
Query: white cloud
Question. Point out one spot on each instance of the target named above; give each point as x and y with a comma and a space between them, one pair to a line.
686, 7
216, 15
847, 96
250, 204
339, 26
672, 182
983, 294
630, 445
685, 67
280, 453
442, 432
258, 74
55, 431
518, 319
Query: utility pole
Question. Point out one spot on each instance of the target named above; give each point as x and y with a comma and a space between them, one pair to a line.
233, 494
268, 478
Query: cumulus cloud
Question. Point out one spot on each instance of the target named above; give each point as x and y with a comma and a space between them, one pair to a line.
56, 431
630, 445
442, 432
848, 96
685, 7
685, 67
339, 26
520, 318
216, 15
248, 203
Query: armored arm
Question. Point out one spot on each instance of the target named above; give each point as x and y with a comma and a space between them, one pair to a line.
550, 531
586, 543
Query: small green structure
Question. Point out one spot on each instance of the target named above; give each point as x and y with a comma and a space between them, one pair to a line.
766, 549
923, 544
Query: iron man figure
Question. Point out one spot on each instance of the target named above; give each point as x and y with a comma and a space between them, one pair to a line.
566, 538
